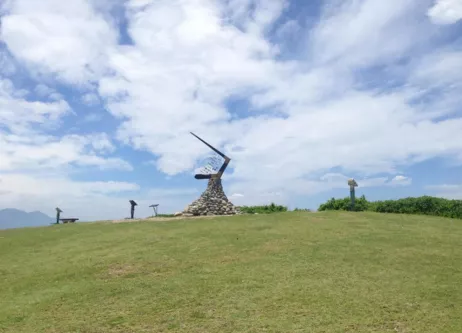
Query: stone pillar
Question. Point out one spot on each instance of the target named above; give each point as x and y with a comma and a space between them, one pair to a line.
352, 197
212, 202
352, 183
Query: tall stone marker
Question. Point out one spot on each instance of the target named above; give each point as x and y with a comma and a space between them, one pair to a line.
352, 183
213, 200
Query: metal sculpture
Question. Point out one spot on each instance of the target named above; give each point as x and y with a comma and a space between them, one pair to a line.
210, 167
132, 210
352, 183
154, 207
58, 213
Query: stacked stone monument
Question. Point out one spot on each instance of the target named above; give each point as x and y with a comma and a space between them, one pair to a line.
212, 202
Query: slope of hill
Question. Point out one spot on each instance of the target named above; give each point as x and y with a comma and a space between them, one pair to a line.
289, 272
15, 218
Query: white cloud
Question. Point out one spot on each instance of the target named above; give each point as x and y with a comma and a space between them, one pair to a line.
340, 181
88, 201
84, 200
400, 181
446, 11
307, 116
265, 13
7, 66
27, 185
92, 118
444, 66
368, 32
262, 192
68, 39
25, 146
44, 152
90, 99
337, 180
43, 90
288, 29
34, 165
448, 191
172, 192
19, 114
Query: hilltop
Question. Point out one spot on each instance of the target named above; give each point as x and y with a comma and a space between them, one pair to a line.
288, 272
15, 218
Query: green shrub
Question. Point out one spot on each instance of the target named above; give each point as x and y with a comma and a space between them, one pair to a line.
268, 209
302, 210
424, 205
361, 204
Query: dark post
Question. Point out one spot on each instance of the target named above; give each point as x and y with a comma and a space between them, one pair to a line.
132, 211
352, 183
154, 207
58, 213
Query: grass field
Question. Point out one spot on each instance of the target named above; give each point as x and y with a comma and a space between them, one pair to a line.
289, 272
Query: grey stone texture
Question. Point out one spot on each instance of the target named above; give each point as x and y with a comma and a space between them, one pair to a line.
212, 202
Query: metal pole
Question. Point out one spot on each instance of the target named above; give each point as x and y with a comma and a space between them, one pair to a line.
154, 208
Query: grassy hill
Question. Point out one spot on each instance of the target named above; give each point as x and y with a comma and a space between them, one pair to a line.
288, 272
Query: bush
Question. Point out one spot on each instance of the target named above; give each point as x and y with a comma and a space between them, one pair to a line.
268, 209
424, 205
361, 204
302, 210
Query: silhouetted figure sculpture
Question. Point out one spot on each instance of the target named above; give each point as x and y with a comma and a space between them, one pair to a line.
132, 211
58, 213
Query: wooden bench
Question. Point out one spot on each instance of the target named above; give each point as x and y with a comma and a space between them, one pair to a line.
69, 220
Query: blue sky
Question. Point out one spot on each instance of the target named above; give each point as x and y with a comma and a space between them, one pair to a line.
97, 99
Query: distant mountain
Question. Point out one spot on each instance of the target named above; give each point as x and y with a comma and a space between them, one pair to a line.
15, 218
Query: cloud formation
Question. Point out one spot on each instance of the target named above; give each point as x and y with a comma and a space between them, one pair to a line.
364, 90
446, 11
448, 191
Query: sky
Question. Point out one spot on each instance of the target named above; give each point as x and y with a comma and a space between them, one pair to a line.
98, 99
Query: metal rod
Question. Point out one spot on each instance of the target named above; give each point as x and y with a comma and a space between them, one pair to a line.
211, 147
223, 167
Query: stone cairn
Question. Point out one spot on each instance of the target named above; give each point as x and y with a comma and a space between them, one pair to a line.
212, 202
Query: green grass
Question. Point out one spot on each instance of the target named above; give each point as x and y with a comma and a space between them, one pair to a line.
288, 272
